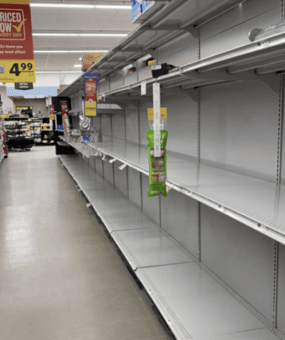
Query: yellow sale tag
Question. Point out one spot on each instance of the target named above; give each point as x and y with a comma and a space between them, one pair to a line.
163, 113
90, 108
17, 71
150, 113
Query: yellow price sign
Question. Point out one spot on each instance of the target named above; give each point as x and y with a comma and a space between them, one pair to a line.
90, 108
163, 113
17, 71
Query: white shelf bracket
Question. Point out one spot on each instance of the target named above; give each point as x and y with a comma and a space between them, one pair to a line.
192, 30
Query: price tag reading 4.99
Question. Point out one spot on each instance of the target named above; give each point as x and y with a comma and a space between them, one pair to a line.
22, 71
24, 68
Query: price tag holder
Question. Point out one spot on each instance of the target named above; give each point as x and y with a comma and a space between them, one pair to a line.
122, 167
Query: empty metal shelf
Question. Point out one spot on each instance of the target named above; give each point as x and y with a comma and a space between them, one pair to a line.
117, 212
258, 334
150, 247
255, 202
197, 306
146, 245
83, 175
84, 149
153, 33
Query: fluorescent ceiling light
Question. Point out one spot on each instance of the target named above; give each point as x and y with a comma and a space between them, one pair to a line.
113, 7
56, 72
72, 51
80, 6
61, 5
77, 65
79, 34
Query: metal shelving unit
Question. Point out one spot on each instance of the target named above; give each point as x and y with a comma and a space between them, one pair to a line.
210, 186
194, 305
82, 148
169, 274
208, 273
173, 20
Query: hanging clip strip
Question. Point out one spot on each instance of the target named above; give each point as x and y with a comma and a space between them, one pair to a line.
156, 120
122, 167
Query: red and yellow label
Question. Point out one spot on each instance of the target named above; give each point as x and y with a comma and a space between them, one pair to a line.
16, 42
90, 94
51, 112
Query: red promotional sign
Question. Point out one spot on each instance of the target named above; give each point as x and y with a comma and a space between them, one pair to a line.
16, 32
16, 42
90, 90
90, 94
51, 112
64, 107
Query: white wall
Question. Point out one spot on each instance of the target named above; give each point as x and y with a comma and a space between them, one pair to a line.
7, 103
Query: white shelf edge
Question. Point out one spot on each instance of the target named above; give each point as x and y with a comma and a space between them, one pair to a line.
75, 146
160, 305
136, 33
256, 225
113, 233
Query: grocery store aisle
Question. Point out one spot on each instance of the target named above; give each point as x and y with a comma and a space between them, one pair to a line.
60, 277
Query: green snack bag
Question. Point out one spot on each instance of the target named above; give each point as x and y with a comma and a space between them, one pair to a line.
157, 165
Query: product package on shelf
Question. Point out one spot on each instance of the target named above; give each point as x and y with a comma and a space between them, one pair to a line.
157, 165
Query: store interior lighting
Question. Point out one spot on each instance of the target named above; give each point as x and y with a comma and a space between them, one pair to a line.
58, 72
82, 6
70, 51
79, 34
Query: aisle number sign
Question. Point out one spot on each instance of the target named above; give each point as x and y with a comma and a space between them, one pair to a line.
17, 63
90, 89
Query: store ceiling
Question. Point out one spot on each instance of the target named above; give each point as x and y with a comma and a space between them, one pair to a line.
79, 20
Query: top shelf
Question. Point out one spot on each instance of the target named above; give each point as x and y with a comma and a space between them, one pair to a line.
259, 61
174, 19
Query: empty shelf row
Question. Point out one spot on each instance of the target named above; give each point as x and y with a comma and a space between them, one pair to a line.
194, 303
142, 242
252, 201
152, 33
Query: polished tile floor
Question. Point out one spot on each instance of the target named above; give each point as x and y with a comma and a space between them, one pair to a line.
60, 276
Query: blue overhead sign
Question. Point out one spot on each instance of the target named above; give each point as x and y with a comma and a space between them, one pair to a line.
139, 7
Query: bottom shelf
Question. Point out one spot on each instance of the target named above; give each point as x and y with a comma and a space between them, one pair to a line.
141, 241
194, 303
196, 306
